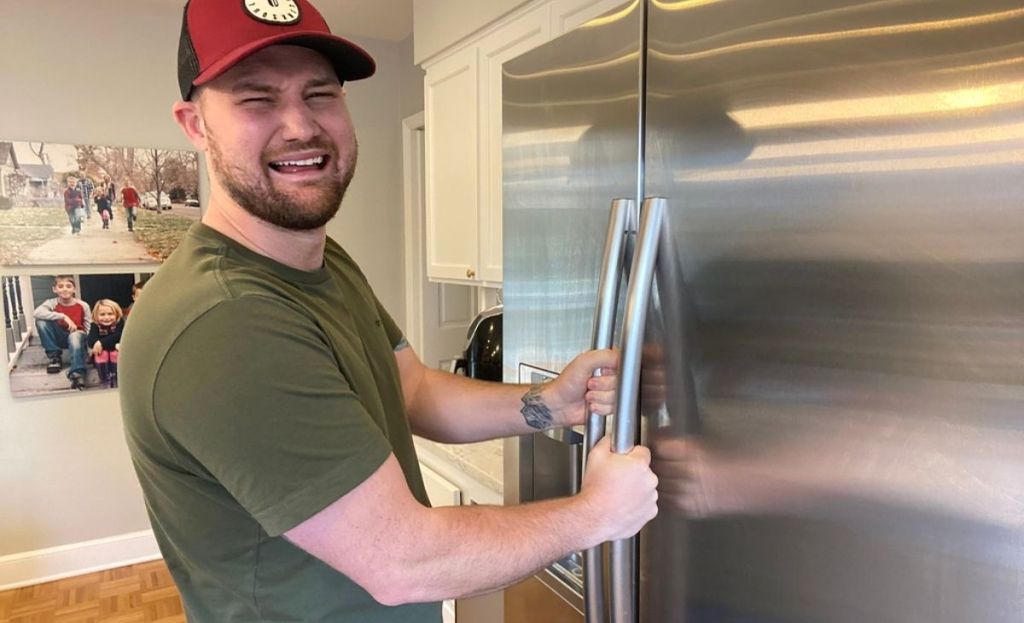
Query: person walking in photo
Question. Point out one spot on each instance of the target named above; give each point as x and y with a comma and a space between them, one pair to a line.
87, 187
269, 399
131, 201
62, 323
73, 204
110, 189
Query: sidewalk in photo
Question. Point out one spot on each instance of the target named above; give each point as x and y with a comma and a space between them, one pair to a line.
94, 245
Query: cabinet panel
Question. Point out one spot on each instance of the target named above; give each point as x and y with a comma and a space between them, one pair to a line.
440, 491
452, 167
519, 36
568, 14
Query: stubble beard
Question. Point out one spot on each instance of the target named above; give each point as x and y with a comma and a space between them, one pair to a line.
254, 191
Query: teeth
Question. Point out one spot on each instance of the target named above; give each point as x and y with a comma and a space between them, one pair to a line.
308, 162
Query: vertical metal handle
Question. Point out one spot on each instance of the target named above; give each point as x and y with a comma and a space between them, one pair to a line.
620, 222
624, 435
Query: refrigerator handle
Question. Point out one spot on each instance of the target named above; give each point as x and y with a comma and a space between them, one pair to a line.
625, 433
621, 223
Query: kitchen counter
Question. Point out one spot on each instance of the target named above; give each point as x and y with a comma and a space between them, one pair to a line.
480, 462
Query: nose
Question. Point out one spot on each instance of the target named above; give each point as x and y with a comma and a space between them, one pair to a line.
298, 123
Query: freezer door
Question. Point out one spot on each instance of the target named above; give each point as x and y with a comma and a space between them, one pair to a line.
571, 139
571, 145
834, 368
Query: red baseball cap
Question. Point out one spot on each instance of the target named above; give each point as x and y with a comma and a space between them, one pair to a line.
216, 34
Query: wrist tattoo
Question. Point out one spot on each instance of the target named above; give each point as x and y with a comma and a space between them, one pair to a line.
534, 410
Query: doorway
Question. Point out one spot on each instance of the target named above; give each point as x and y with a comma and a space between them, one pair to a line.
437, 316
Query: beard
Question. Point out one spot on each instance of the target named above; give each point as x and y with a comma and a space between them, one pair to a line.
255, 192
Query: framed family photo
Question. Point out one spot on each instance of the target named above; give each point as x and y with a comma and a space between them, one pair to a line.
93, 205
62, 331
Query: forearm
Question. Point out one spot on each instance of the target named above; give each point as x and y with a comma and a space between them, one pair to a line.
46, 311
453, 409
464, 551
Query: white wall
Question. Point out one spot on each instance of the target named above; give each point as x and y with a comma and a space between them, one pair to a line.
105, 74
438, 24
412, 79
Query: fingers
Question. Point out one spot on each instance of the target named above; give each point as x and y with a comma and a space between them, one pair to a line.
642, 453
600, 408
604, 360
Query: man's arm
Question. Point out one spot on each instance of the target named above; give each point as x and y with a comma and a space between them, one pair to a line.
401, 552
453, 409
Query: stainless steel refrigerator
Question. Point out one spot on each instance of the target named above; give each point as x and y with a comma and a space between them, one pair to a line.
825, 283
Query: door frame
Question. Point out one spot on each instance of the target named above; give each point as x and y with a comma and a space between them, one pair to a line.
413, 170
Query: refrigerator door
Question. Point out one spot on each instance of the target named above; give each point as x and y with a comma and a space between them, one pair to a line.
571, 138
834, 368
571, 145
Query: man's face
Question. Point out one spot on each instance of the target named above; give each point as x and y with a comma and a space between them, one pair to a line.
72, 182
279, 136
64, 289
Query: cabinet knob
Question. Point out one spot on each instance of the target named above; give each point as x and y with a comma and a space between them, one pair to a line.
470, 273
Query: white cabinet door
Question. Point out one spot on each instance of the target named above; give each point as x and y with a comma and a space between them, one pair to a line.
442, 492
568, 14
451, 92
517, 37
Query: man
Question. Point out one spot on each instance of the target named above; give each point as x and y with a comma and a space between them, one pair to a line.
269, 400
87, 187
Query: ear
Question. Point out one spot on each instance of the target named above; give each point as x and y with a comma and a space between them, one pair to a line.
189, 118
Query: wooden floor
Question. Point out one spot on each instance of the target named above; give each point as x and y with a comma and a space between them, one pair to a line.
142, 593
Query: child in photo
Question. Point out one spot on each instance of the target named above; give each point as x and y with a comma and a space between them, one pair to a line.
105, 339
136, 290
102, 206
73, 204
62, 323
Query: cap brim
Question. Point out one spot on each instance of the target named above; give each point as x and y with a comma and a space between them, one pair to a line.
350, 61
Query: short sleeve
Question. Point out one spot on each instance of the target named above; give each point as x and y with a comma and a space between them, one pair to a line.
253, 393
395, 337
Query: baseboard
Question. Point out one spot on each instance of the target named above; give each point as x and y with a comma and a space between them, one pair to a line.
55, 563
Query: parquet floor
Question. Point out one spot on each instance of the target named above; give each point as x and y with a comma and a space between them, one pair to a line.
142, 593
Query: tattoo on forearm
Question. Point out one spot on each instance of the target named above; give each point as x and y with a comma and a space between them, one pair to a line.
534, 410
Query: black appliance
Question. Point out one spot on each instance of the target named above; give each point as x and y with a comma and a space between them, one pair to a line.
482, 357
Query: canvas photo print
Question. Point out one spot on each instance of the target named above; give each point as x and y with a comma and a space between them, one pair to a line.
86, 204
62, 331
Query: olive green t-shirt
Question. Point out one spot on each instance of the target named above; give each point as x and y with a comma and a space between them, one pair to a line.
254, 395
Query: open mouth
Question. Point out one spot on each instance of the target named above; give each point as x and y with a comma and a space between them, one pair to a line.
316, 163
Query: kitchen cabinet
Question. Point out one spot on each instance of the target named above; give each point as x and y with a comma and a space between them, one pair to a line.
455, 479
451, 123
463, 99
522, 35
442, 492
568, 14
462, 94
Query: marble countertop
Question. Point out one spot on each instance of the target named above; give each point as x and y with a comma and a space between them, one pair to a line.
481, 462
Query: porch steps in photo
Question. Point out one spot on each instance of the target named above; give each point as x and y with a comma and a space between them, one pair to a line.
30, 378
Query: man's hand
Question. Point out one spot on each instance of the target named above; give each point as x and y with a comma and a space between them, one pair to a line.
621, 489
568, 399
